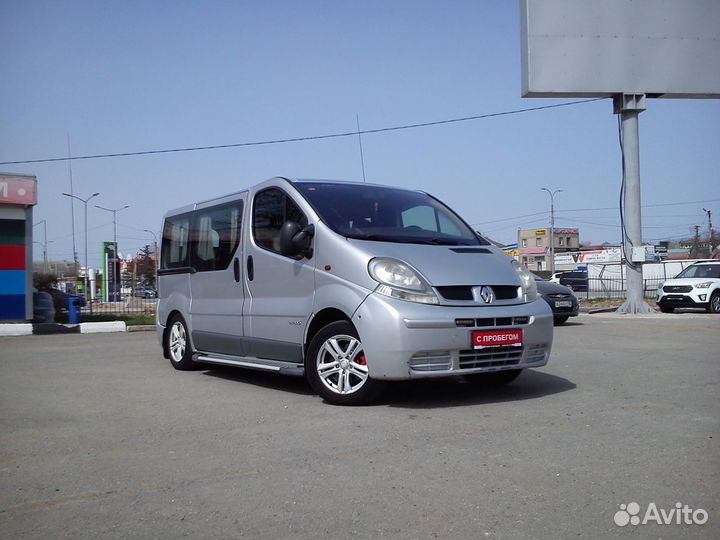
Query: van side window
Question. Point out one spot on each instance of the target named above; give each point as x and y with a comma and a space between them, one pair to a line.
175, 242
272, 208
216, 235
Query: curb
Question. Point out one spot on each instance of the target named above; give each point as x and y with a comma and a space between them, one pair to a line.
44, 329
141, 328
16, 329
102, 327
602, 310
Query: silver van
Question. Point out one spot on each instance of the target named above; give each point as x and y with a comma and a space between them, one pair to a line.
348, 284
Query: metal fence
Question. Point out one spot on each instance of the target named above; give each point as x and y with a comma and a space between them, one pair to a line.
135, 300
615, 287
126, 306
609, 280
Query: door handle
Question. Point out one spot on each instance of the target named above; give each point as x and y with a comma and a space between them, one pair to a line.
250, 268
236, 269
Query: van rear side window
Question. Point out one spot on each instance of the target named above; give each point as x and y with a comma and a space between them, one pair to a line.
175, 242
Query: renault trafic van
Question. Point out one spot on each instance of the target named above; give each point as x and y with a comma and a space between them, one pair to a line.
348, 284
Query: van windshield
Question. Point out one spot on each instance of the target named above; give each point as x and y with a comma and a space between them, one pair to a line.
386, 214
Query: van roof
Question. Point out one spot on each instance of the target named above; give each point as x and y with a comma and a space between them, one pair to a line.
192, 206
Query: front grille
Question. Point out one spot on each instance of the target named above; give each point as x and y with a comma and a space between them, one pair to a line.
505, 292
431, 361
490, 357
559, 296
491, 321
456, 292
677, 288
464, 292
536, 353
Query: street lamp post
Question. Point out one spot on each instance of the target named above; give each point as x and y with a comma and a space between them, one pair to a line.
44, 244
552, 226
115, 257
87, 268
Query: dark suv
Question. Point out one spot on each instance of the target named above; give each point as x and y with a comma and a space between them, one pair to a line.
577, 281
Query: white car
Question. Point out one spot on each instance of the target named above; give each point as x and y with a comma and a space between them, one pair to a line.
698, 286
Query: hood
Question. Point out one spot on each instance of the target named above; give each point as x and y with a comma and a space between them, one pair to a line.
549, 287
688, 281
448, 265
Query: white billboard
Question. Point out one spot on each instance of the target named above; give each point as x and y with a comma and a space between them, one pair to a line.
600, 48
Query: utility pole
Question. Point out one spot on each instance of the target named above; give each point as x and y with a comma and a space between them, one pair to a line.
72, 209
629, 107
695, 249
114, 211
710, 229
552, 226
87, 268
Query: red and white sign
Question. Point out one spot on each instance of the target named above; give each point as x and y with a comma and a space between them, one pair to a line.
497, 338
20, 190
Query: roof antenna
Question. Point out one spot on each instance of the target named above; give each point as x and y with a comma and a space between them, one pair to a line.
362, 160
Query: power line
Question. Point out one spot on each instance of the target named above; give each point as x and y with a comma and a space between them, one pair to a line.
478, 223
355, 133
509, 218
643, 206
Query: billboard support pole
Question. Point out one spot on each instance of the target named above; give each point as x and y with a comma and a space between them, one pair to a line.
629, 107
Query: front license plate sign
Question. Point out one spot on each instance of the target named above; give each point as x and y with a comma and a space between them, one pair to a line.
563, 303
497, 338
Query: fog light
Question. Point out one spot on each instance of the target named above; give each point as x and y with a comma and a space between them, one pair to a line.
702, 297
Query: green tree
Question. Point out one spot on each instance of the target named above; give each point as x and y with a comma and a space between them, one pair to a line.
43, 281
145, 266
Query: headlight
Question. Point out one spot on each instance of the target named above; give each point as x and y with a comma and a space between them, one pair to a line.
398, 279
703, 285
527, 279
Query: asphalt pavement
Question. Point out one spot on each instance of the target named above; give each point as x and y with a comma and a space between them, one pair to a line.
101, 439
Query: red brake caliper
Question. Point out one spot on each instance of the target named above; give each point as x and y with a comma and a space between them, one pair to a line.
362, 360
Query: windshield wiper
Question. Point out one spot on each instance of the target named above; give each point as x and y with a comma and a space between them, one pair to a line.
433, 241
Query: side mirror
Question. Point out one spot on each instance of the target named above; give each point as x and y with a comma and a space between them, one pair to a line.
295, 240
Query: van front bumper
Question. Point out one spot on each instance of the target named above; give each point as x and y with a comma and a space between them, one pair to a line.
406, 340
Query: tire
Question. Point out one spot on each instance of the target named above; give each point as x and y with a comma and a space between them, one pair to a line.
178, 346
336, 367
714, 304
560, 320
495, 378
667, 309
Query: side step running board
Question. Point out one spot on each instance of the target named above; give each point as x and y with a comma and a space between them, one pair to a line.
292, 369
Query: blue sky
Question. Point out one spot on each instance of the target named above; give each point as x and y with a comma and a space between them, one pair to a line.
142, 75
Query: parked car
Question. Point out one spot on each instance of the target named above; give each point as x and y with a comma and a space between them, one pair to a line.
560, 299
60, 299
350, 285
698, 286
43, 308
145, 291
575, 281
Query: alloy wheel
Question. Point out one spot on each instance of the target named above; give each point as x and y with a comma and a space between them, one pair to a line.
341, 364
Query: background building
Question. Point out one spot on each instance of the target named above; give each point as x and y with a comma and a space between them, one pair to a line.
534, 245
17, 198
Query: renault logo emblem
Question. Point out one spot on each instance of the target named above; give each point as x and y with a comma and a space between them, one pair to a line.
484, 293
